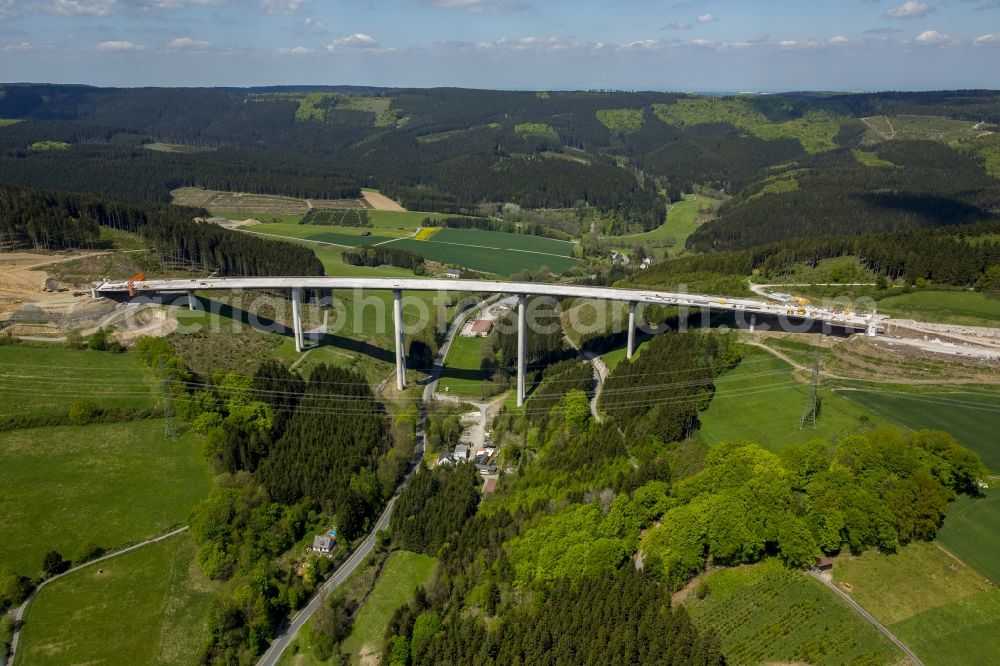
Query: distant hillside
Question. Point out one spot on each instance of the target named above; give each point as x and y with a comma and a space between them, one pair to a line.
796, 164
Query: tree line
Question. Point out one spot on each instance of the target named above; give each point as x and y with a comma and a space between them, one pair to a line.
53, 221
382, 255
954, 255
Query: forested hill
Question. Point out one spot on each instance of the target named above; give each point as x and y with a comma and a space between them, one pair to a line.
795, 164
56, 221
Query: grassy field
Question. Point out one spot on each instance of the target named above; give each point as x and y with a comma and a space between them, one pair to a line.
461, 375
970, 308
492, 251
972, 531
40, 382
178, 148
104, 485
402, 572
963, 633
145, 607
945, 611
537, 131
871, 159
621, 120
815, 131
972, 418
350, 236
921, 128
614, 357
760, 400
765, 614
682, 221
894, 587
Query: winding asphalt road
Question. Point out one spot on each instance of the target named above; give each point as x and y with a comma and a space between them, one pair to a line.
288, 633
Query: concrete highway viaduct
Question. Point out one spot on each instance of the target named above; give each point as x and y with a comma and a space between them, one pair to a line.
870, 324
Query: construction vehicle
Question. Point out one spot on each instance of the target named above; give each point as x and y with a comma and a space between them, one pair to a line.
798, 300
138, 277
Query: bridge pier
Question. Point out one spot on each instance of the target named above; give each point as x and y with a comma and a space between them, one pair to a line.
297, 317
631, 329
190, 299
522, 317
753, 323
397, 322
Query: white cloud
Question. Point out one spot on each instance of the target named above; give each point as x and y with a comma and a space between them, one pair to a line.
294, 50
705, 18
358, 40
20, 46
310, 22
933, 37
80, 7
702, 42
909, 9
839, 39
478, 6
281, 6
187, 44
9, 9
119, 45
987, 39
677, 25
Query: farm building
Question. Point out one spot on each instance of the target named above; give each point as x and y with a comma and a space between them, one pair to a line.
461, 452
482, 328
444, 459
823, 564
453, 273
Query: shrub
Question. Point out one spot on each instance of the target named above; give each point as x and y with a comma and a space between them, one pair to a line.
83, 411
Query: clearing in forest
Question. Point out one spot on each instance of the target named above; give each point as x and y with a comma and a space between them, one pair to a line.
378, 201
403, 571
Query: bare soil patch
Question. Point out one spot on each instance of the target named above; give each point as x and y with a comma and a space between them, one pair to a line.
379, 201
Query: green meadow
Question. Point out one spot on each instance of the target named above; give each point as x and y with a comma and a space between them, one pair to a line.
149, 606
492, 251
765, 613
971, 530
40, 382
972, 417
402, 572
971, 308
761, 401
76, 488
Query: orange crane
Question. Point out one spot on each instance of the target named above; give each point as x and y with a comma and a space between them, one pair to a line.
138, 277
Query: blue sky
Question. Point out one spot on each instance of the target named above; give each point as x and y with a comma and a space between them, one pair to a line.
695, 45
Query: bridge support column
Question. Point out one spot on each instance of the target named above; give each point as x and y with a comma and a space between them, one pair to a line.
190, 300
522, 335
397, 322
297, 317
631, 330
753, 323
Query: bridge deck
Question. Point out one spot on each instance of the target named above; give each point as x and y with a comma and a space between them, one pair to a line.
752, 306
